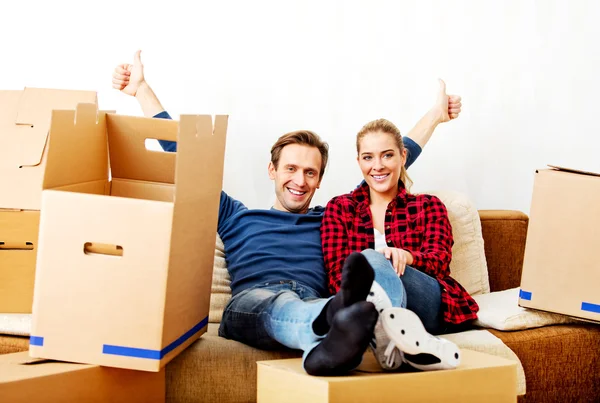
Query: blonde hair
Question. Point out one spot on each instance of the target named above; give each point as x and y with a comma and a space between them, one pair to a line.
387, 127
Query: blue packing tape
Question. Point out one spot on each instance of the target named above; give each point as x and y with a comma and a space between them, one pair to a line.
587, 306
153, 354
36, 341
525, 295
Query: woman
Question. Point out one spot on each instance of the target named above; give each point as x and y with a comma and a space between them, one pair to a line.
407, 238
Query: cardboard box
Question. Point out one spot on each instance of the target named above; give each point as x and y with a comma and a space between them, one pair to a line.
561, 270
24, 126
479, 378
18, 247
27, 380
125, 263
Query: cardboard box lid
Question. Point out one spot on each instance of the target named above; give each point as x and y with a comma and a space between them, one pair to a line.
20, 366
571, 170
34, 112
29, 380
24, 127
471, 360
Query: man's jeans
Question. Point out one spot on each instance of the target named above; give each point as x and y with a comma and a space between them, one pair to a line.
271, 315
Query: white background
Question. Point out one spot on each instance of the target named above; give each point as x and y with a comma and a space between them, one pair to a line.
528, 72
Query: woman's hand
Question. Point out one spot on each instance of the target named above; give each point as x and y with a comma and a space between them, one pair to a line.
399, 257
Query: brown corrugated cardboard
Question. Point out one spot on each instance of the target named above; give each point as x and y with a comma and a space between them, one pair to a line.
126, 282
18, 248
561, 270
27, 380
24, 126
479, 378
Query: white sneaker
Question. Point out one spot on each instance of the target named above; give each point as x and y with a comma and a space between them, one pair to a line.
420, 349
385, 351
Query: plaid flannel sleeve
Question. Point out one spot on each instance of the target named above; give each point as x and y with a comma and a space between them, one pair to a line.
334, 242
435, 253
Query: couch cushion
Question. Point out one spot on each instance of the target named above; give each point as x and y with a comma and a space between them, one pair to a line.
468, 265
13, 344
500, 310
221, 290
214, 369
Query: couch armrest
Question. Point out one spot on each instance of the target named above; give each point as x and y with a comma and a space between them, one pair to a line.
504, 234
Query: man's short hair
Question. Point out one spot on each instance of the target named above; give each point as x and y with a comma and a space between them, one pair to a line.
302, 137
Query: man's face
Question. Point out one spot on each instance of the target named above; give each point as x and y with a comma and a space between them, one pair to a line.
296, 177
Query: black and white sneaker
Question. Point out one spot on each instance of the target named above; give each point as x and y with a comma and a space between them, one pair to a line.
385, 351
420, 349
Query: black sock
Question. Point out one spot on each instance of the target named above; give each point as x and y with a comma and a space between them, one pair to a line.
342, 349
357, 278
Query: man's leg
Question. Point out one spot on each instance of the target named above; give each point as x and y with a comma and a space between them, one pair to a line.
271, 316
333, 333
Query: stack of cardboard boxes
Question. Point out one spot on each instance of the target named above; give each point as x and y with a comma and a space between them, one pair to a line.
124, 252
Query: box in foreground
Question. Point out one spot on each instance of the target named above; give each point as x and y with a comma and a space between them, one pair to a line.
479, 378
27, 380
125, 262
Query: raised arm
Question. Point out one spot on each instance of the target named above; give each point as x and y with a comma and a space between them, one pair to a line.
129, 79
446, 108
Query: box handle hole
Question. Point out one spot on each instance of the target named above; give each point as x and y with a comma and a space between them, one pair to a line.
94, 248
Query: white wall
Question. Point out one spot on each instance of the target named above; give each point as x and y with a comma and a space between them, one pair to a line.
527, 71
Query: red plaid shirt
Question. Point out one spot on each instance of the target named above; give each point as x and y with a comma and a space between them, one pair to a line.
416, 223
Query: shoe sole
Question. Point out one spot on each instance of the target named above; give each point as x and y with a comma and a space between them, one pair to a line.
406, 330
381, 340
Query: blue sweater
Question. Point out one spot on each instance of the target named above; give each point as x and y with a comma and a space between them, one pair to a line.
267, 246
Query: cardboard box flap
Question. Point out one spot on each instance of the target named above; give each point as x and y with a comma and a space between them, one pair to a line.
575, 171
20, 358
9, 149
129, 158
32, 122
80, 141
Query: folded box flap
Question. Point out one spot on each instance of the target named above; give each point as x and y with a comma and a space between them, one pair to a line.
129, 158
576, 171
32, 123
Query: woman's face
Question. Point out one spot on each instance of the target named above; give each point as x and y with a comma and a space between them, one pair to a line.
381, 161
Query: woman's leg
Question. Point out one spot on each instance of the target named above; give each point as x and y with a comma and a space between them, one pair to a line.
415, 290
386, 277
424, 297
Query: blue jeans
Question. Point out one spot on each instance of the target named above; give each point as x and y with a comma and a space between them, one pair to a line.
415, 290
271, 315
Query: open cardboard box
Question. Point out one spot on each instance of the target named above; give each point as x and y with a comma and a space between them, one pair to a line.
24, 127
27, 380
561, 269
125, 262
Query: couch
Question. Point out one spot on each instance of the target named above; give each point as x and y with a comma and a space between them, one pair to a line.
561, 362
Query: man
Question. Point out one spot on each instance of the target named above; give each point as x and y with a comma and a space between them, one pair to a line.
274, 256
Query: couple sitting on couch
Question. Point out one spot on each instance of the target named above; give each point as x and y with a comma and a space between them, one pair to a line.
369, 269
